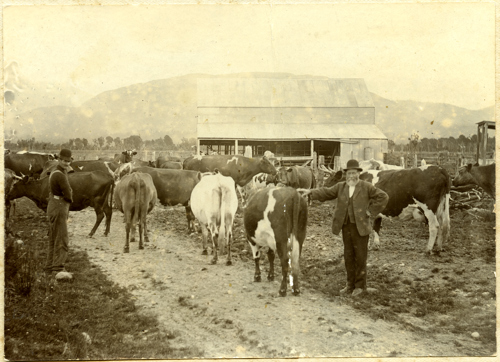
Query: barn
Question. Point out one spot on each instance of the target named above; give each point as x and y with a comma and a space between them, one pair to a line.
294, 118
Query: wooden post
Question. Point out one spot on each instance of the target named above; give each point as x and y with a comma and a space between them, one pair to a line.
235, 147
403, 162
197, 147
321, 174
415, 160
312, 148
336, 163
153, 156
485, 142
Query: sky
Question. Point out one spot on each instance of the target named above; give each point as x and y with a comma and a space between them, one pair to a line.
431, 52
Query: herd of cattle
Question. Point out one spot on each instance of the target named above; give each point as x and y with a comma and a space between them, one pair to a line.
274, 213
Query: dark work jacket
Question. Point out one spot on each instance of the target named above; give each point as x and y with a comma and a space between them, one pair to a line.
59, 184
366, 197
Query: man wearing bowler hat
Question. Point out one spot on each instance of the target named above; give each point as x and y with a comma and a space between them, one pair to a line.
357, 201
60, 198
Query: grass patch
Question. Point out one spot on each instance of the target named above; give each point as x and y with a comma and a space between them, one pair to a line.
89, 318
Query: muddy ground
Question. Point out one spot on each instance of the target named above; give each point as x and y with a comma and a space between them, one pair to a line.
422, 305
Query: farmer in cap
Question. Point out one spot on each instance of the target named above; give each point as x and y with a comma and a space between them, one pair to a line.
60, 198
357, 201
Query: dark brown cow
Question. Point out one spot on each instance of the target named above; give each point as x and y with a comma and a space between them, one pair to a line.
162, 159
296, 177
171, 165
240, 168
483, 176
135, 197
92, 189
427, 186
89, 166
174, 187
27, 164
140, 163
276, 218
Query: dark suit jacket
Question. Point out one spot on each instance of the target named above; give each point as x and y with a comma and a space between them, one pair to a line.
365, 197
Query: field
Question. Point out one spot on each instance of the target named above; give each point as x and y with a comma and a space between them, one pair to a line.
167, 301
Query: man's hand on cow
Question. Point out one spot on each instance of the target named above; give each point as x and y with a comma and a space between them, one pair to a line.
306, 193
368, 213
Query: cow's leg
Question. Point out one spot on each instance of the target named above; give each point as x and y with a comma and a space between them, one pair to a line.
108, 212
241, 191
215, 247
270, 257
433, 225
285, 258
141, 228
377, 224
229, 241
443, 217
256, 257
190, 219
99, 214
204, 237
126, 249
146, 237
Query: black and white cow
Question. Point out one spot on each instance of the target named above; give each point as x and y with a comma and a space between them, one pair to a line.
276, 217
427, 187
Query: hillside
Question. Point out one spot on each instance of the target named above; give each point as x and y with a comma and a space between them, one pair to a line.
168, 106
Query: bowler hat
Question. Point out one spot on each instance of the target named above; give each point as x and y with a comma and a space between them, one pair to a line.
353, 165
65, 154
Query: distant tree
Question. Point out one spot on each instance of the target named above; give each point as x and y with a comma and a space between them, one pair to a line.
101, 142
85, 143
391, 145
187, 143
168, 141
118, 143
109, 141
133, 142
78, 143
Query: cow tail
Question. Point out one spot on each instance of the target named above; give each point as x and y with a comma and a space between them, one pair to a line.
293, 243
443, 211
137, 201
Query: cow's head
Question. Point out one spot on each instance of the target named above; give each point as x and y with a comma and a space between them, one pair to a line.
464, 176
151, 164
266, 166
128, 155
334, 179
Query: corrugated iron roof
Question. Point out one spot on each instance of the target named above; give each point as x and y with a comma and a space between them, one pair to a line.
274, 131
275, 92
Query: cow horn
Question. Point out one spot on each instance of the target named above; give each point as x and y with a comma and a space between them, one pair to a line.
322, 167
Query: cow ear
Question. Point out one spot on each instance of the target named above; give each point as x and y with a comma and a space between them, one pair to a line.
134, 153
289, 169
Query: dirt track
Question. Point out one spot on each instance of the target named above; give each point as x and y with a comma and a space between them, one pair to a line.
220, 309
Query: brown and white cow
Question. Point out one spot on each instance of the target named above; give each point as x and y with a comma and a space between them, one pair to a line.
428, 187
483, 176
92, 189
125, 156
170, 162
135, 197
214, 203
276, 218
174, 187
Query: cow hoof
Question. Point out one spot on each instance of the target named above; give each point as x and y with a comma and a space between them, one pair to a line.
282, 293
257, 278
204, 252
270, 278
296, 291
126, 250
213, 261
141, 247
89, 236
229, 262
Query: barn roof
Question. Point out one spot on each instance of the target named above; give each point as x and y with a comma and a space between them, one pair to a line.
281, 131
276, 92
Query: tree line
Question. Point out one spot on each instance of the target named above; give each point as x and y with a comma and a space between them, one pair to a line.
104, 143
462, 144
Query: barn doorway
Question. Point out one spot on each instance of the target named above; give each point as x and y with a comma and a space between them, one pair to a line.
328, 149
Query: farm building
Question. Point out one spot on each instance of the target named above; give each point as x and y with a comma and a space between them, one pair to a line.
290, 117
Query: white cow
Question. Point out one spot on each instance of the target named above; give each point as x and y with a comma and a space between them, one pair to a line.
214, 203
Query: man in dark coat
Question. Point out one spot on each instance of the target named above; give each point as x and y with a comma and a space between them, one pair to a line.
357, 201
60, 198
